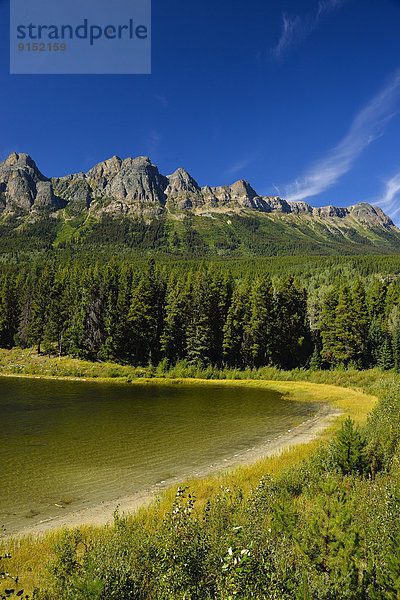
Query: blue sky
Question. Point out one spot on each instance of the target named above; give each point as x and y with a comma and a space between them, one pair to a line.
301, 98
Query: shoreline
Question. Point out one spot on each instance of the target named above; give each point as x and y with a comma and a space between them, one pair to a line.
102, 512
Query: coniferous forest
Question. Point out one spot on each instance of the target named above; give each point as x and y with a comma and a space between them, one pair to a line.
203, 314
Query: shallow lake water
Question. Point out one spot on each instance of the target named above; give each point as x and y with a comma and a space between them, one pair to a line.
77, 443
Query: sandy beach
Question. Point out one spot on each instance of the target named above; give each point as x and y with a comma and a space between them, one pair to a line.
101, 513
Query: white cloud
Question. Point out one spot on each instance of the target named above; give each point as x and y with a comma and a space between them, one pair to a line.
367, 126
390, 200
296, 28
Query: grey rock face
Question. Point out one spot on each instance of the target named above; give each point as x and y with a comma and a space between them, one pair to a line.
135, 187
183, 191
370, 215
76, 192
330, 211
277, 204
23, 187
300, 207
239, 193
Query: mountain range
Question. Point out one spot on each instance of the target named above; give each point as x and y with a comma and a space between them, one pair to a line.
129, 203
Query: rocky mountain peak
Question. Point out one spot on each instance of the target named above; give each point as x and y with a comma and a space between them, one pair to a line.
370, 215
241, 189
181, 181
130, 185
21, 163
182, 190
23, 187
134, 186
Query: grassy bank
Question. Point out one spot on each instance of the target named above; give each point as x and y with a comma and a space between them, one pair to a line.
31, 555
18, 362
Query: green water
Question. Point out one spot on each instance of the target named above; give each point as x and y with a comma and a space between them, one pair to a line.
85, 442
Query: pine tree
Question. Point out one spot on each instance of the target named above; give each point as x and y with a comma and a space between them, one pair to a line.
328, 325
392, 296
199, 332
331, 543
174, 336
145, 318
385, 357
375, 341
126, 284
375, 299
260, 330
344, 326
359, 316
9, 313
40, 304
26, 312
292, 344
316, 360
236, 326
56, 322
348, 448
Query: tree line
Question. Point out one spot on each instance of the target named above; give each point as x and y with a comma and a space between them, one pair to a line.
205, 315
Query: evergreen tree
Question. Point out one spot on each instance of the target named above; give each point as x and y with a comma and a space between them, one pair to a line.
40, 304
236, 328
292, 344
331, 544
392, 296
328, 325
375, 299
56, 321
349, 448
145, 318
26, 311
375, 341
9, 313
199, 332
174, 336
315, 361
359, 315
385, 357
260, 330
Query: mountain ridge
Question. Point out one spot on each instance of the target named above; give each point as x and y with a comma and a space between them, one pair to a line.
174, 208
137, 187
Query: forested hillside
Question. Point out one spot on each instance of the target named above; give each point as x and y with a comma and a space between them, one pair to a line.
127, 206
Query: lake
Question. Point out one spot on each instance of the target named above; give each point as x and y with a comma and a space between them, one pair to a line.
77, 443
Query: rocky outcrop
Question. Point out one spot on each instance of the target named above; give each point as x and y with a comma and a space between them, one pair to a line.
183, 191
300, 207
23, 188
373, 216
76, 192
135, 187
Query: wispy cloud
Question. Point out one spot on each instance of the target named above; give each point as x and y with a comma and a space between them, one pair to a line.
238, 166
296, 28
368, 125
390, 200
